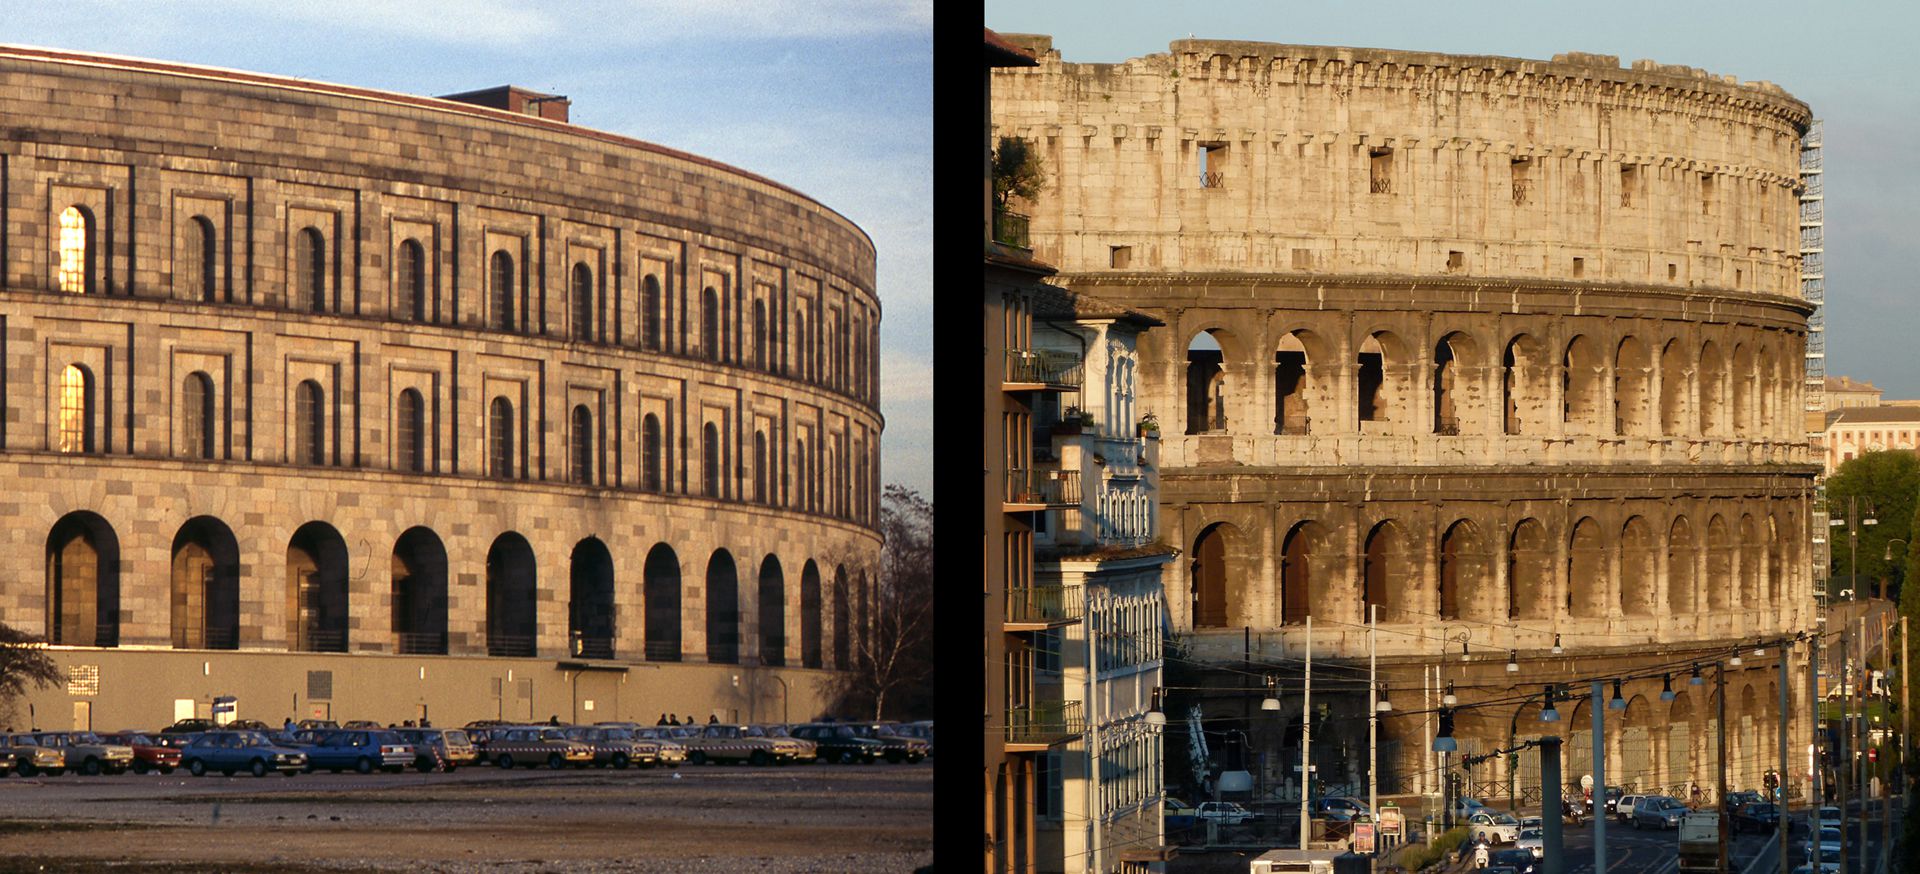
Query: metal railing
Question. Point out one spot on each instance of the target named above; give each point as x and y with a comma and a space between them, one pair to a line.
1054, 488
1044, 367
212, 638
104, 634
1213, 180
1521, 188
1043, 603
1048, 722
662, 650
421, 642
509, 645
323, 640
593, 647
1010, 228
1382, 185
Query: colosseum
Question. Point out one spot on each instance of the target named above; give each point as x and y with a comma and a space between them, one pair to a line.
330, 402
1504, 354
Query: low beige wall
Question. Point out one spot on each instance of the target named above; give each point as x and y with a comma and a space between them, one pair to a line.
146, 688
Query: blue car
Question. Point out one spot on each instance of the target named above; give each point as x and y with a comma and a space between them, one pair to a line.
231, 751
362, 750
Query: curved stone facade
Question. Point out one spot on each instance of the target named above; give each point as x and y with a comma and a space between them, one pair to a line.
301, 367
1510, 349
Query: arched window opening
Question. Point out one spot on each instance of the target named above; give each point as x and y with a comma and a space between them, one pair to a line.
1586, 571
500, 299
197, 415
661, 590
650, 464
83, 582
1371, 380
205, 586
1463, 574
309, 424
1638, 568
1523, 386
1529, 572
760, 467
1291, 414
310, 270
1632, 388
410, 272
1675, 377
1773, 592
1446, 375
78, 414
1681, 556
710, 324
842, 622
198, 260
723, 610
1206, 384
583, 445
650, 314
1580, 386
1384, 573
317, 589
710, 460
810, 616
419, 571
512, 624
590, 604
583, 302
772, 598
500, 438
410, 432
77, 268
1301, 555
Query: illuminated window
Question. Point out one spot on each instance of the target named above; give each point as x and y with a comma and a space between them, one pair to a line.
76, 409
76, 251
410, 432
500, 438
309, 424
196, 412
501, 291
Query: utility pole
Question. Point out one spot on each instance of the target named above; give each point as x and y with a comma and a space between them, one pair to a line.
1599, 782
1845, 767
1860, 734
1720, 797
1815, 795
1551, 845
1780, 787
1306, 741
1373, 732
1905, 724
1091, 625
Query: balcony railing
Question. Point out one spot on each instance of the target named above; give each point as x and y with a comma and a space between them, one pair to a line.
593, 647
1054, 488
323, 640
1045, 723
662, 650
1043, 604
1213, 180
509, 645
1521, 188
1382, 185
1010, 228
1043, 367
421, 642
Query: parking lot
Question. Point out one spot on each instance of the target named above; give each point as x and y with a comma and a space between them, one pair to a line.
798, 818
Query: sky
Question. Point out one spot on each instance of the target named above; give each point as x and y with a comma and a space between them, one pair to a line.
832, 98
1845, 60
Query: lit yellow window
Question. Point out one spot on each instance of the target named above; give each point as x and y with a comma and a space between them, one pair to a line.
76, 409
75, 255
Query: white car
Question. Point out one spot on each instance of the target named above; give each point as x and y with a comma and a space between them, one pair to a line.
1497, 828
1223, 812
1623, 809
1533, 839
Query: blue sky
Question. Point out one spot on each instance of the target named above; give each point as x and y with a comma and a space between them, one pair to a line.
1850, 61
832, 97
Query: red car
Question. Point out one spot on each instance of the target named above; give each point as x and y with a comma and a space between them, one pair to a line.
149, 754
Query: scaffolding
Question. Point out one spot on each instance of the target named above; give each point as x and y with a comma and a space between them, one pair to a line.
1813, 270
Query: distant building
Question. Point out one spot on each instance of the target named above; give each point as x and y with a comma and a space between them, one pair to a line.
1843, 392
1854, 431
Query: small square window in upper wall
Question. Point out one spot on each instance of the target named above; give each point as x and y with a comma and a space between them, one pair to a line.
1120, 257
1302, 259
1673, 270
1579, 267
1456, 261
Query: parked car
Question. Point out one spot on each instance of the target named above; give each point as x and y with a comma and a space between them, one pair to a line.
732, 743
1827, 817
672, 753
1224, 813
809, 748
1533, 839
1519, 860
839, 743
316, 723
1623, 808
363, 750
1658, 811
614, 747
1613, 796
190, 726
31, 757
1177, 814
363, 723
1497, 828
533, 745
231, 751
1827, 840
443, 748
894, 748
1737, 800
1337, 809
805, 751
1760, 818
88, 753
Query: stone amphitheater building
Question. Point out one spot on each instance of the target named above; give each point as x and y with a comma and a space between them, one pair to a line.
338, 402
1508, 351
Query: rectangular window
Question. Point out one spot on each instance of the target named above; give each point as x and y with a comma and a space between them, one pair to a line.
1121, 257
1522, 181
1380, 171
1579, 267
1302, 259
1456, 261
1706, 194
1629, 184
1213, 165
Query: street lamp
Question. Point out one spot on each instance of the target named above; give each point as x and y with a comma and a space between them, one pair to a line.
1853, 521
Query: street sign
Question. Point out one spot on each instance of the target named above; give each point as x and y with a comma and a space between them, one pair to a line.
1390, 820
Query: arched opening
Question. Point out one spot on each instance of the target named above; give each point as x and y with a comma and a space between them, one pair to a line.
1454, 390
1302, 553
317, 589
410, 432
1580, 385
1529, 572
1463, 574
196, 415
410, 273
710, 324
1776, 587
77, 247
1675, 379
500, 438
661, 583
591, 611
512, 624
1681, 588
83, 582
500, 301
309, 423
842, 621
1632, 388
582, 302
79, 415
1743, 390
1719, 580
205, 586
1586, 571
1523, 395
582, 446
1751, 551
310, 270
773, 613
1218, 587
650, 465
723, 609
650, 314
197, 258
1637, 568
1713, 390
1384, 573
1291, 387
419, 571
1206, 384
810, 616
802, 486
1372, 381
1679, 729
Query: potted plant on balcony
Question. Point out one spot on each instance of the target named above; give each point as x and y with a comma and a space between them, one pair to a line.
1071, 422
1150, 426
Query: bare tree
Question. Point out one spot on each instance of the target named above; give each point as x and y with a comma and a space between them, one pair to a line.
893, 654
24, 662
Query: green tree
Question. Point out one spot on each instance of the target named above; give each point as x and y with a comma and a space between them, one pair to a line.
24, 663
1889, 483
1018, 172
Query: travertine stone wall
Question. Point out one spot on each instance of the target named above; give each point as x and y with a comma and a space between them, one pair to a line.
787, 360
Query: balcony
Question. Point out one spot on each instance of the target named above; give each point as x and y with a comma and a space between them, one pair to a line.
1028, 488
1010, 229
1035, 727
1037, 608
1041, 370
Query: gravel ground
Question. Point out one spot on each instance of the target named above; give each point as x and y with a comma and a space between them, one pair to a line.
791, 820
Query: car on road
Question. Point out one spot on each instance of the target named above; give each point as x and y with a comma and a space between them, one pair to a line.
363, 750
149, 752
1224, 813
33, 758
1760, 818
614, 747
1521, 861
1827, 841
88, 753
1496, 827
1827, 817
1613, 796
534, 745
1177, 814
1658, 811
230, 751
839, 743
1532, 839
1622, 809
443, 748
1743, 797
1337, 809
734, 743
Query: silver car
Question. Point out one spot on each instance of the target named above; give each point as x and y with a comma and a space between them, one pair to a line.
1658, 811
